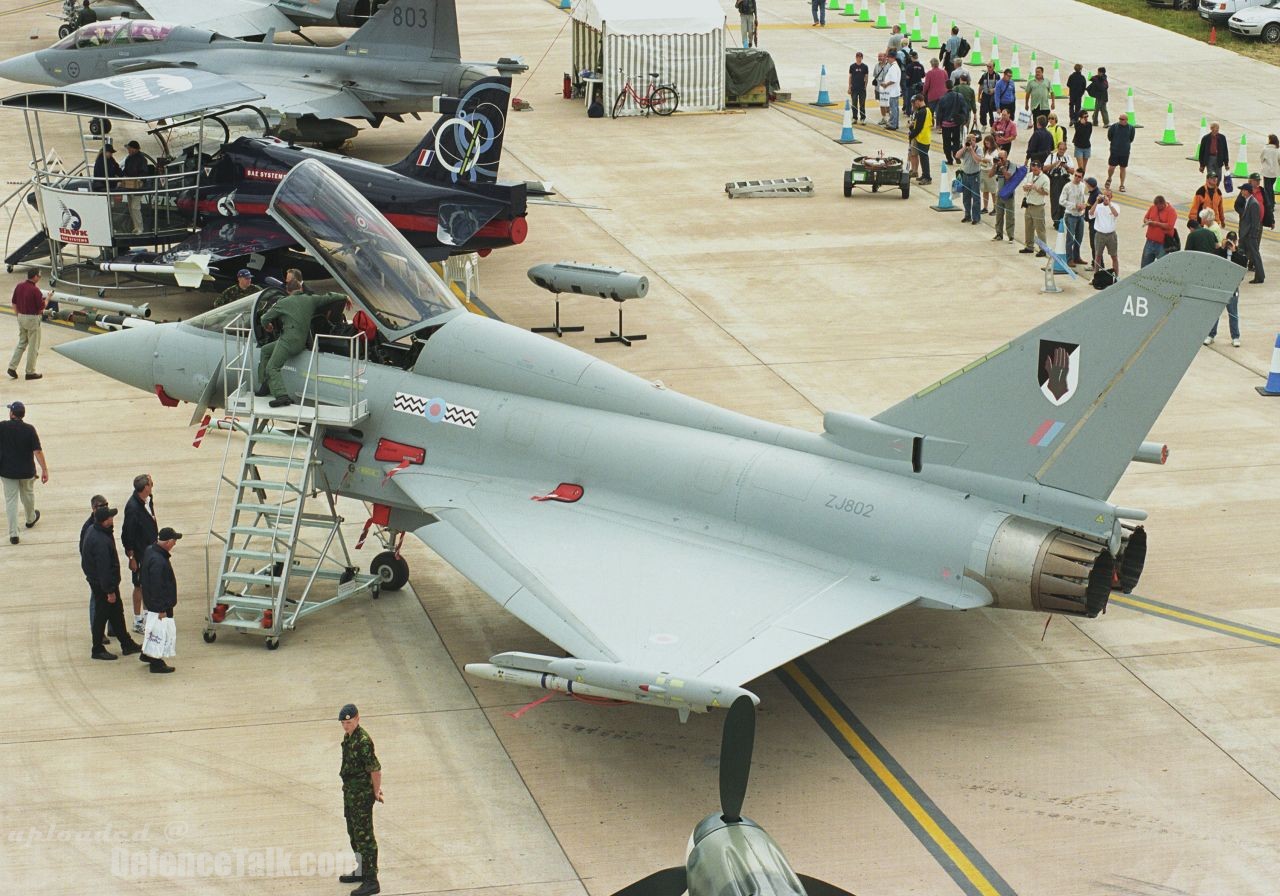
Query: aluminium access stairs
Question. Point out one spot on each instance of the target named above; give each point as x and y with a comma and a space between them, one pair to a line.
282, 535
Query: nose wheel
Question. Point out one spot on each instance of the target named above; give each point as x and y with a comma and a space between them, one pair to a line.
392, 571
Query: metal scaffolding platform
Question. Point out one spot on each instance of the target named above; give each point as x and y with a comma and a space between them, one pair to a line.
274, 514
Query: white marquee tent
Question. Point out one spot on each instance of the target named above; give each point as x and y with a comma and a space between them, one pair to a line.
682, 40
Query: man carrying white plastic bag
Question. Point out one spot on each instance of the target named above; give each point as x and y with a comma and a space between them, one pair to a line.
159, 596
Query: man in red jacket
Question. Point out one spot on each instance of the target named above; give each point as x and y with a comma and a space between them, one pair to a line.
1162, 223
28, 302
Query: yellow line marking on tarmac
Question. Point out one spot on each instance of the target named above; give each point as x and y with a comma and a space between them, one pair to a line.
895, 786
1201, 621
22, 9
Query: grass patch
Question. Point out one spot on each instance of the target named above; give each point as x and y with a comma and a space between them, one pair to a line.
1189, 23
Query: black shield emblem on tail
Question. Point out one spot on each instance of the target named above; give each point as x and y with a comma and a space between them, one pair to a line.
1058, 370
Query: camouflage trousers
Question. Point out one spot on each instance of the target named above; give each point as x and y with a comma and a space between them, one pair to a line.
357, 806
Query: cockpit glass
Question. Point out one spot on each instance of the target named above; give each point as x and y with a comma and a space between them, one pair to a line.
215, 320
97, 34
141, 32
369, 257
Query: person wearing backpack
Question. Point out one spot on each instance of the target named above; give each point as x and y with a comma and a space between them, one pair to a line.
1099, 88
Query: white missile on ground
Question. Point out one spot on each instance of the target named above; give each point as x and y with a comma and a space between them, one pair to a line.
141, 311
592, 678
103, 321
190, 272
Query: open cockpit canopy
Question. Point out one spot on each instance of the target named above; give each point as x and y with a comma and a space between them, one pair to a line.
368, 257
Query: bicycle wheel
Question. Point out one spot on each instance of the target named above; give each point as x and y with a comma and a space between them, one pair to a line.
617, 104
664, 100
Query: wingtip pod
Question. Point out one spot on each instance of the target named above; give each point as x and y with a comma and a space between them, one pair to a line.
1068, 403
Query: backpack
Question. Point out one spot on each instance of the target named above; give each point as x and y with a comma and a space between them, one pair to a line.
1104, 278
962, 50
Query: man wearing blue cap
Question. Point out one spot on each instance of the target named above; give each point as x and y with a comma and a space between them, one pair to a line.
361, 787
243, 287
19, 452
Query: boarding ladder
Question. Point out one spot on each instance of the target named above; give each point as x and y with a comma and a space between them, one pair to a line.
275, 519
778, 186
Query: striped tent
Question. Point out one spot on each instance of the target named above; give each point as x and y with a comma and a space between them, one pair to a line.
682, 40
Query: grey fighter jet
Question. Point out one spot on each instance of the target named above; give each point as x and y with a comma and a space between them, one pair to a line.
233, 18
396, 64
676, 550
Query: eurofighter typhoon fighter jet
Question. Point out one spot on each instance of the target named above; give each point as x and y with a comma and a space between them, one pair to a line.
676, 550
394, 65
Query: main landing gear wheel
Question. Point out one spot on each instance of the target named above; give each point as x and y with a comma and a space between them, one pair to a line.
273, 643
210, 637
392, 570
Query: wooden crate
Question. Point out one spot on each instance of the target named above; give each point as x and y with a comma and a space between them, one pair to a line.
756, 96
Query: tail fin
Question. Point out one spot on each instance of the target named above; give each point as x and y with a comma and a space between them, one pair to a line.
465, 143
423, 30
1068, 403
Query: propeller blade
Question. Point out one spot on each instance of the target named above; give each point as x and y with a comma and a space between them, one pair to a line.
815, 887
667, 882
735, 756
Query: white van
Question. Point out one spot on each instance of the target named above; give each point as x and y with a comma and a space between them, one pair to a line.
1218, 11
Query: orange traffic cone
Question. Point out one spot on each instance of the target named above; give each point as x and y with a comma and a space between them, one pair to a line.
1213, 35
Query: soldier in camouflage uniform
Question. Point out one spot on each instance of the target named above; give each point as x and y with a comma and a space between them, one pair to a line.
244, 287
361, 787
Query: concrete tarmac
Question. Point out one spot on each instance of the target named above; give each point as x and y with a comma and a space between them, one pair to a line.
1131, 754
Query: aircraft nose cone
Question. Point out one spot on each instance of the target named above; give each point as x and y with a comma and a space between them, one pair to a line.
25, 70
125, 355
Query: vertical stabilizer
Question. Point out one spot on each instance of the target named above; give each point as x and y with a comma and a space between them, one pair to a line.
422, 30
1068, 403
465, 143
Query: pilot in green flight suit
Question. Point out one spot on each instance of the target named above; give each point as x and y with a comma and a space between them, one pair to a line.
294, 313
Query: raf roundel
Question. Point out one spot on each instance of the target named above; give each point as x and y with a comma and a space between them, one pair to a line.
436, 410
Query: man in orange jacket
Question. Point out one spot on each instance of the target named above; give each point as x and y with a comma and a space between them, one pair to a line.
1209, 196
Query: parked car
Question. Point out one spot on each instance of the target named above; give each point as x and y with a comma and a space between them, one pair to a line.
1220, 11
1175, 4
1258, 21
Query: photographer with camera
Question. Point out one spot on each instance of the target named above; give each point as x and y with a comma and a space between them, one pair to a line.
970, 161
1005, 174
1035, 190
1230, 250
1104, 216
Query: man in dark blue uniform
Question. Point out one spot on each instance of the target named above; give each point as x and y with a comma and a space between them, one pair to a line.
101, 565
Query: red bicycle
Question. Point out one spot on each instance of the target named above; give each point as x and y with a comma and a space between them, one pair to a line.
661, 99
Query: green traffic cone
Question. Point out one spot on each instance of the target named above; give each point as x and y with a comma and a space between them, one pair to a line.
1170, 138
